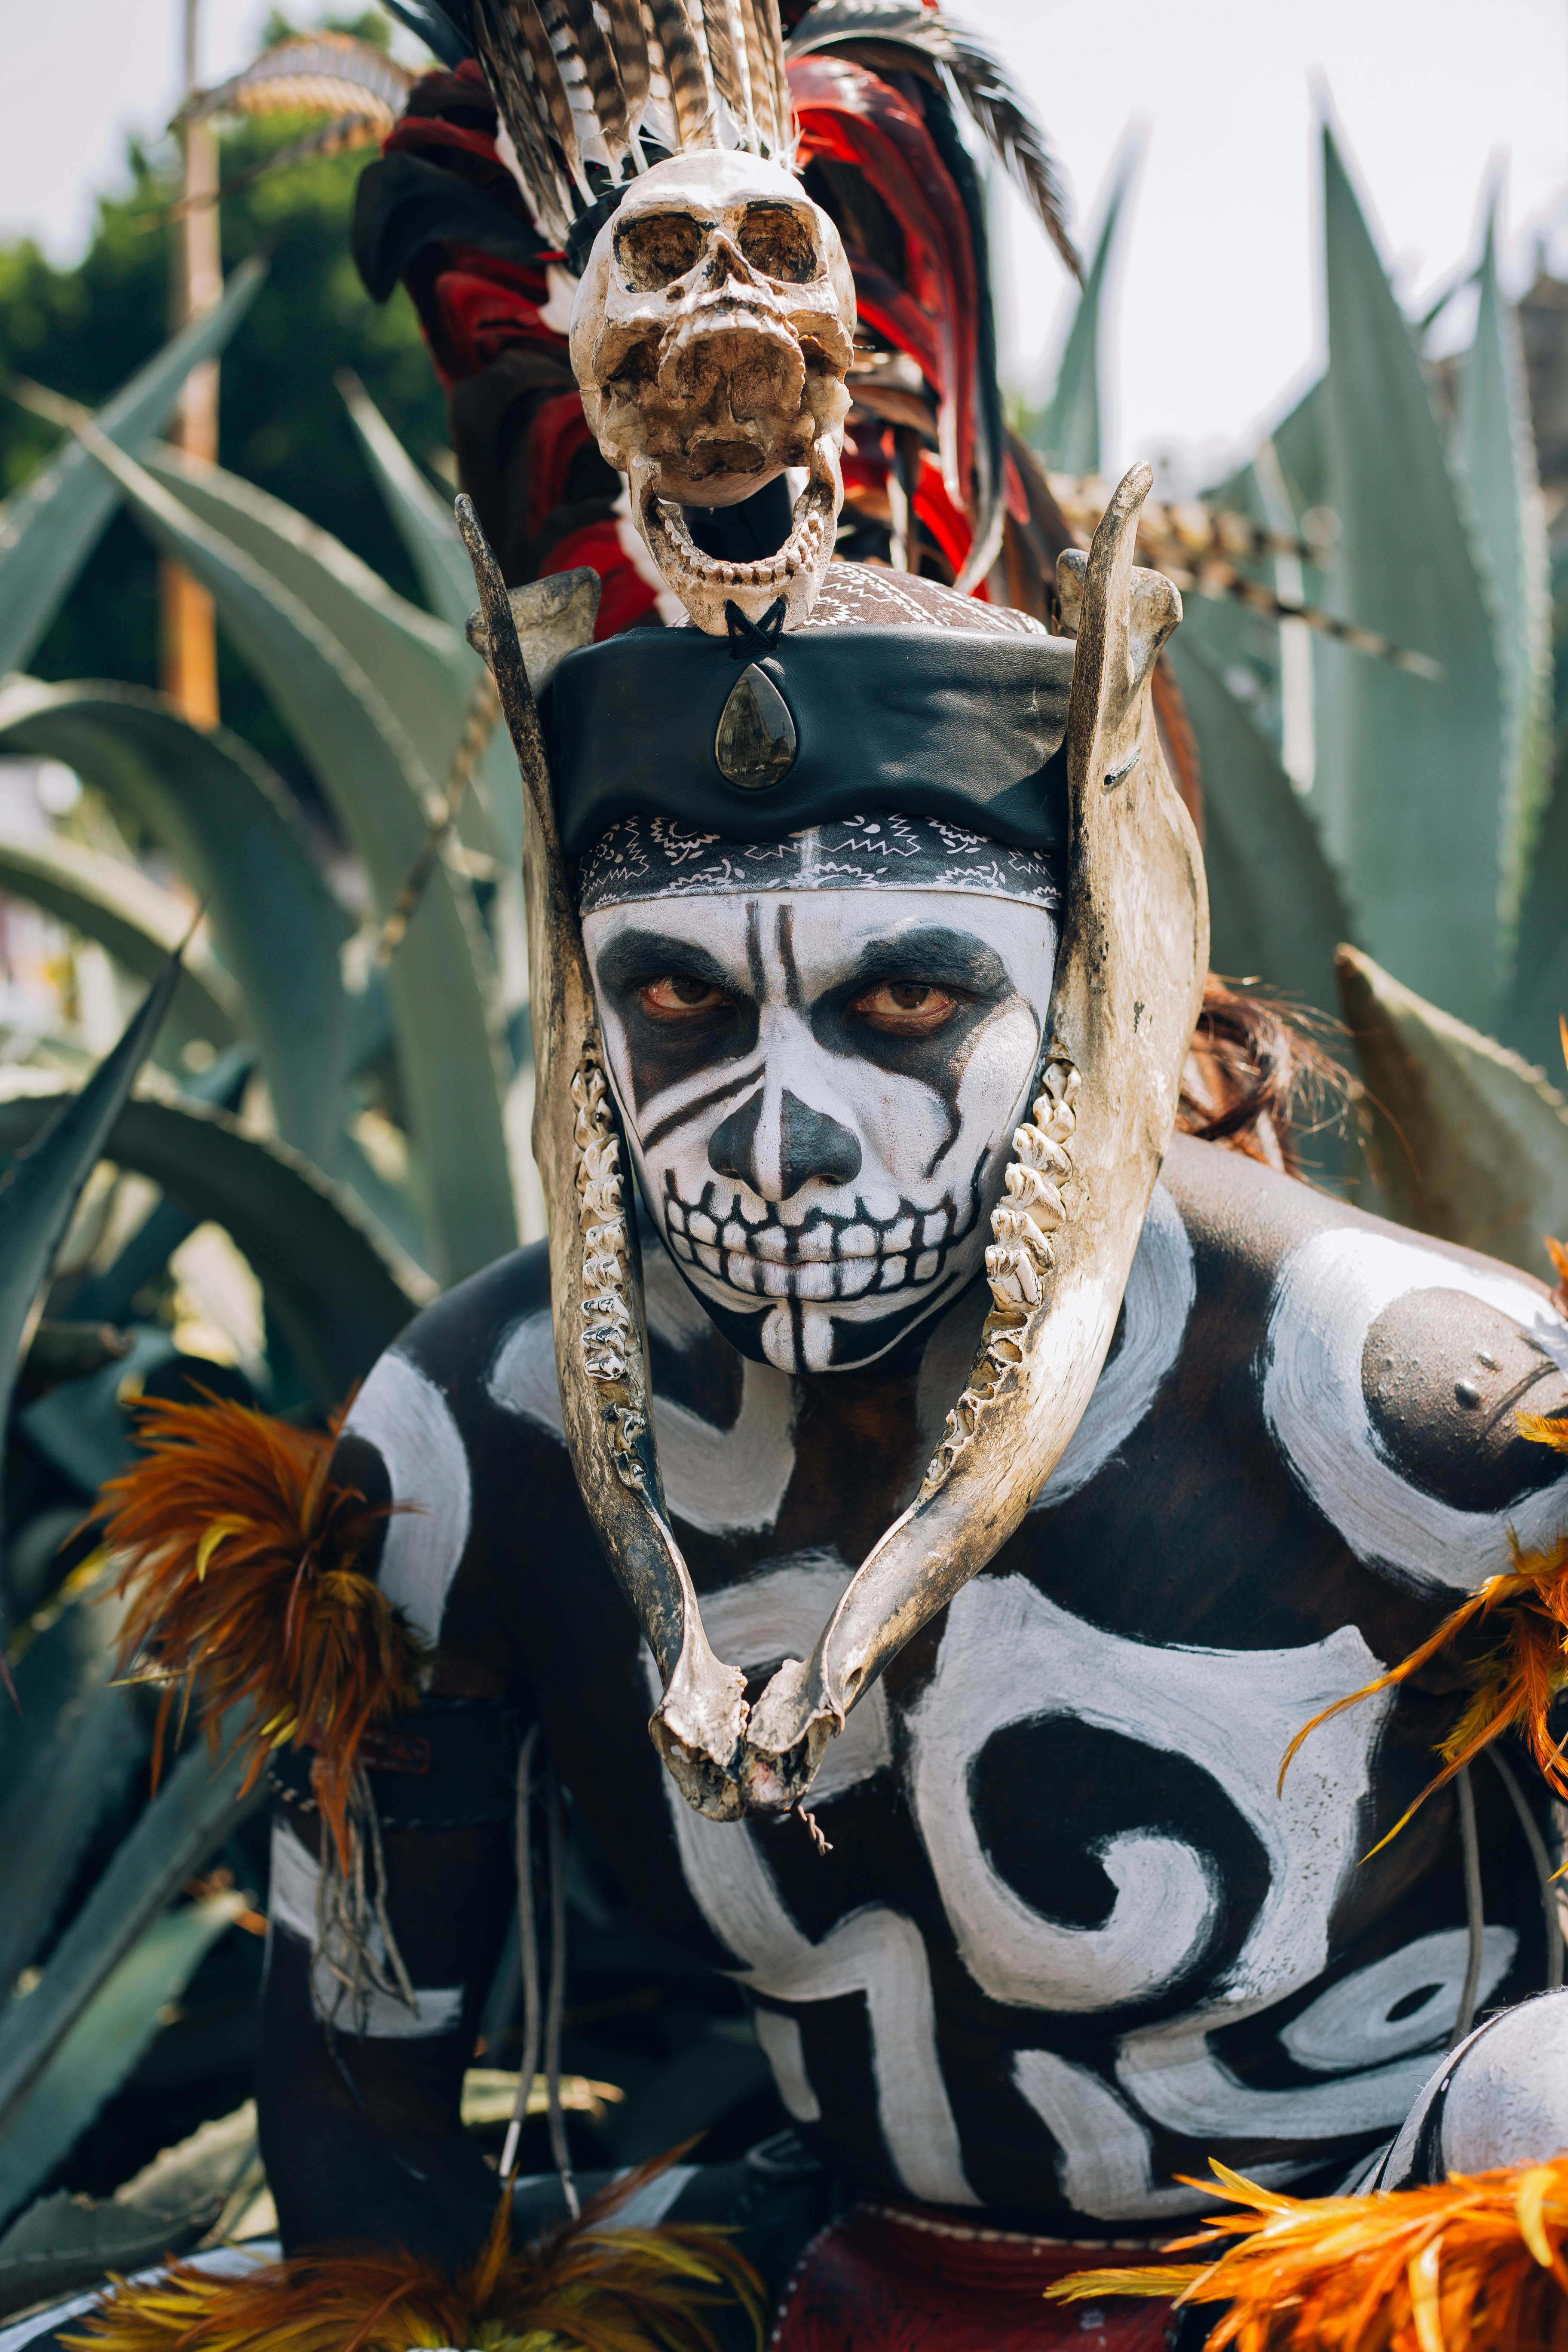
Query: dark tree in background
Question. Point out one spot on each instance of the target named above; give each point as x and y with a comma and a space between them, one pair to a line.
82, 331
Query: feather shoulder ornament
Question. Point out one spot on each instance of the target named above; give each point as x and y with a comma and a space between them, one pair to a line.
588, 2286
244, 1560
1514, 1682
1470, 2265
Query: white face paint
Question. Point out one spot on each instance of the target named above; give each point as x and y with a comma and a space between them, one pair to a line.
820, 1090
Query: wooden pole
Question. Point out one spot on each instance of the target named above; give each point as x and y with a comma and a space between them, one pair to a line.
189, 631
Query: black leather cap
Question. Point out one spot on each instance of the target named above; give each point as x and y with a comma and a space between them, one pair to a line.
949, 723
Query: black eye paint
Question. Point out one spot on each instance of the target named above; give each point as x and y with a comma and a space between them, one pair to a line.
662, 1053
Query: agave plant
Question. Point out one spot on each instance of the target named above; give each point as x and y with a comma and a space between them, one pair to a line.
1411, 809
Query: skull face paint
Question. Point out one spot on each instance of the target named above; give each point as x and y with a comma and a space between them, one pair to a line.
711, 336
820, 1090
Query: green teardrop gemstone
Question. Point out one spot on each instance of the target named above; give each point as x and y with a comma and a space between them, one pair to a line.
756, 742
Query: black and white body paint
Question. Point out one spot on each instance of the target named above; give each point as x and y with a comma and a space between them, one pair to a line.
820, 1073
1070, 1941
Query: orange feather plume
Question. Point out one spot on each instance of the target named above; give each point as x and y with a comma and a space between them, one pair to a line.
1471, 2265
1514, 1682
242, 1555
589, 2286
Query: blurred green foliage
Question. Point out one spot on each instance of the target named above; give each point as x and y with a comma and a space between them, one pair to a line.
83, 329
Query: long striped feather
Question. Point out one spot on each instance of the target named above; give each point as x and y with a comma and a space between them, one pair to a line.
977, 75
628, 40
600, 75
690, 89
717, 26
770, 95
512, 74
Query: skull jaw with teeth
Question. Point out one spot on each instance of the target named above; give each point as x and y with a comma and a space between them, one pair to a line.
711, 336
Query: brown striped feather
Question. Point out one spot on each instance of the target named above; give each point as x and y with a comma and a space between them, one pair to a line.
727, 82
629, 41
686, 71
604, 92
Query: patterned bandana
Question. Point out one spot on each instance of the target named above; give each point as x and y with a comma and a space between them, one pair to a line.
655, 858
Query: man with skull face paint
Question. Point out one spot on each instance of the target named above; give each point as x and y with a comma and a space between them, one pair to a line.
1067, 1942
872, 908
821, 1049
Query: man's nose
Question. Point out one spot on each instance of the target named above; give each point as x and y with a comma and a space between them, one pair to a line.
795, 1141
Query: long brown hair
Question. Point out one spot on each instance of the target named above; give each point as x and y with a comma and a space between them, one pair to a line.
1257, 1079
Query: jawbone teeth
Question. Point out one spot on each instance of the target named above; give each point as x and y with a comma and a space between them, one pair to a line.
798, 550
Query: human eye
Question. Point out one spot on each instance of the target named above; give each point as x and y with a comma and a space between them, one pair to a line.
906, 1008
681, 996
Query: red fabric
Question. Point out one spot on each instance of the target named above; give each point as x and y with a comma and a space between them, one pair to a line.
625, 595
868, 2285
947, 526
483, 304
849, 115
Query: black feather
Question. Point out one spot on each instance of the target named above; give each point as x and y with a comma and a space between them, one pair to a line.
980, 79
446, 33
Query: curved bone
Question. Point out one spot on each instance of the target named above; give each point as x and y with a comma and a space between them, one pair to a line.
1127, 987
596, 1281
1064, 1235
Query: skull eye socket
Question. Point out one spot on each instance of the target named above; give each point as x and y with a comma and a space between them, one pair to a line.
779, 242
657, 250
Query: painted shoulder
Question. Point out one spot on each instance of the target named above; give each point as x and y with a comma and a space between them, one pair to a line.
1383, 1354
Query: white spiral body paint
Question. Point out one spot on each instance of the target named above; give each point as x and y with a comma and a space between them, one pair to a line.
722, 1481
1103, 2160
1331, 1290
1009, 1656
1155, 1308
291, 1905
409, 1422
878, 1952
1350, 2025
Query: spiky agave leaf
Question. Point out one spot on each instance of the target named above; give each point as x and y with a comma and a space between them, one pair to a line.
242, 1557
588, 2284
1471, 2262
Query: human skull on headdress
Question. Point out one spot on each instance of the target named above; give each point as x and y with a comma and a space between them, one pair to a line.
711, 336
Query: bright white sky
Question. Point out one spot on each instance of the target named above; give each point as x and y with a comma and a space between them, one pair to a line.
1216, 299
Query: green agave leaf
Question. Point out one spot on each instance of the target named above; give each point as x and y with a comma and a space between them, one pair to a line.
229, 826
1409, 773
439, 980
1274, 908
1470, 1141
340, 1287
196, 1810
1498, 449
111, 902
426, 527
48, 529
65, 2242
423, 522
1538, 992
68, 1746
1068, 436
421, 666
67, 1134
105, 2041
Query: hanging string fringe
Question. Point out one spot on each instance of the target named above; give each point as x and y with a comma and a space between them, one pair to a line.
1514, 1682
